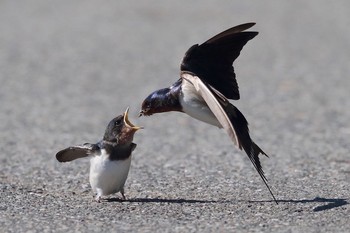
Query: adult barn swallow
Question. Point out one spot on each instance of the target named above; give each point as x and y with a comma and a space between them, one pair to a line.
207, 81
110, 158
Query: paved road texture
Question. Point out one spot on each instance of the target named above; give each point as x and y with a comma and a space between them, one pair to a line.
68, 67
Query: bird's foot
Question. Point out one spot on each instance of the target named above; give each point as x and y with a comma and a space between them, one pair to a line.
98, 199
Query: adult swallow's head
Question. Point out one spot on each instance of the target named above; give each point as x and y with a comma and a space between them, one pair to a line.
120, 129
163, 100
154, 103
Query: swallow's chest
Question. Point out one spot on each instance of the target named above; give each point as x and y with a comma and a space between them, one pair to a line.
194, 105
108, 175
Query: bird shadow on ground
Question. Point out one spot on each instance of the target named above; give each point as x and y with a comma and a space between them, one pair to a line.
160, 200
326, 203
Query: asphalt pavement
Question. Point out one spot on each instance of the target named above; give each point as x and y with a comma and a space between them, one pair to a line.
68, 67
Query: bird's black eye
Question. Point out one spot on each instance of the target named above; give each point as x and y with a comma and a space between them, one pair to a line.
118, 122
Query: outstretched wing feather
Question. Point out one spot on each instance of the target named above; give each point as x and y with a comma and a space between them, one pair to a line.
76, 152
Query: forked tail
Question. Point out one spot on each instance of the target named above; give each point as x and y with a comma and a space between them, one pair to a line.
240, 126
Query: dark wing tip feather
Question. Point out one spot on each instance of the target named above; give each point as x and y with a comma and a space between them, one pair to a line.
212, 61
65, 155
233, 30
69, 154
76, 152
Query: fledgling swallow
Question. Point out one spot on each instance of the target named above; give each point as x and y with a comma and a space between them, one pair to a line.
207, 81
110, 158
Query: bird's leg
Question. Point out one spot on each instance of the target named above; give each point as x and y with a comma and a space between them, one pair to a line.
122, 192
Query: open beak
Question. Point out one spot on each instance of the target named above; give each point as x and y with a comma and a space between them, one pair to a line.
128, 123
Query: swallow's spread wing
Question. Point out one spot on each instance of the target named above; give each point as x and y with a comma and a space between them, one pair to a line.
212, 60
76, 152
231, 119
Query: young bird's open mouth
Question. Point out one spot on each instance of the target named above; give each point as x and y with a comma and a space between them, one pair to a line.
128, 123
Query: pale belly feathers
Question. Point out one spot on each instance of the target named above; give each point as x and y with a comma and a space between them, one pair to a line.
195, 106
106, 176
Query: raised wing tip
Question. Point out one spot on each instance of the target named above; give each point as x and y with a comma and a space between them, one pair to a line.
233, 30
247, 25
241, 27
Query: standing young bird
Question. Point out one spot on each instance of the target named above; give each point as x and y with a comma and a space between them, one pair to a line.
207, 81
110, 158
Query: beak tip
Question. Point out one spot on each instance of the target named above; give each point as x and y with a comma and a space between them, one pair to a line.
136, 128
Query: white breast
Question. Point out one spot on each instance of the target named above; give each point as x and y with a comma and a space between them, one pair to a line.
194, 105
106, 176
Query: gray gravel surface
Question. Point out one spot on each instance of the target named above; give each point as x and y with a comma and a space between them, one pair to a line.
68, 67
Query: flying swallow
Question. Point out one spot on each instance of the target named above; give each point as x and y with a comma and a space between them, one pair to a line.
110, 158
207, 81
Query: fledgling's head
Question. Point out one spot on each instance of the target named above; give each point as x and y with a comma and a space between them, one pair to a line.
120, 129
